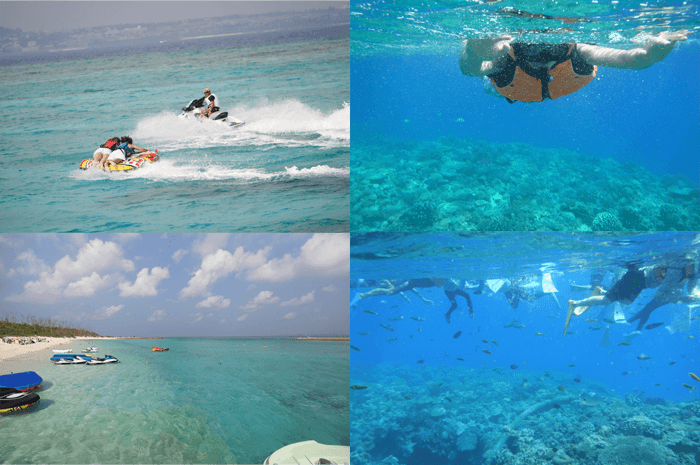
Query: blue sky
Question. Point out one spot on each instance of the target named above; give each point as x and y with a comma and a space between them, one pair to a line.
164, 285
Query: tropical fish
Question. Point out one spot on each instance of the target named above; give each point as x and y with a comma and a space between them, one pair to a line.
487, 352
354, 347
406, 397
457, 334
577, 380
658, 384
494, 343
513, 366
392, 339
591, 398
396, 318
358, 387
595, 328
417, 318
411, 336
394, 306
387, 327
643, 357
561, 388
571, 332
520, 326
446, 354
539, 334
547, 375
691, 337
694, 376
591, 320
370, 312
419, 362
654, 325
571, 366
624, 343
460, 359
688, 386
672, 363
484, 341
625, 373
448, 399
364, 334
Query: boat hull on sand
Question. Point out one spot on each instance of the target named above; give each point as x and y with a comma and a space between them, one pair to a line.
127, 165
311, 452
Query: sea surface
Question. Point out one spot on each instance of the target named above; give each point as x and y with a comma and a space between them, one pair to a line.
285, 170
212, 400
506, 386
427, 137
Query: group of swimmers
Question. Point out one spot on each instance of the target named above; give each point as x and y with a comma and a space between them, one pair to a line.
668, 279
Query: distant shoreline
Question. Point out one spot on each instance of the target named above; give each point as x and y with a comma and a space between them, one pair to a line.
340, 339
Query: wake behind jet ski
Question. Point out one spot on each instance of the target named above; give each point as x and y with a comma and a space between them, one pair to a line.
207, 107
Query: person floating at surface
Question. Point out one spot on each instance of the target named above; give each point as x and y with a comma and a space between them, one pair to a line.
534, 72
104, 151
452, 289
211, 102
125, 150
668, 279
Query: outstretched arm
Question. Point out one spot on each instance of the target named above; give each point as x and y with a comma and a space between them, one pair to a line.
477, 57
643, 57
644, 314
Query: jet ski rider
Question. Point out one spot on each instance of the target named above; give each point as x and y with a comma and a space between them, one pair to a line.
125, 150
212, 102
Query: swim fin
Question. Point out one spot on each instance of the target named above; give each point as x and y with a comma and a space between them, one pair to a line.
581, 310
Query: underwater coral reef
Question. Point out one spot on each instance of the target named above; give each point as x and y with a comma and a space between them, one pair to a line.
480, 416
454, 184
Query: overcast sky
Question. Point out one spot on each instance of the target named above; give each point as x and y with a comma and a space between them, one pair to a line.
54, 16
180, 284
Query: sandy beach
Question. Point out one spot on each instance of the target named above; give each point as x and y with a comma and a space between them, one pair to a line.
16, 358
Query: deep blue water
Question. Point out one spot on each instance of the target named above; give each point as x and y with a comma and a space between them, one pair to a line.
648, 117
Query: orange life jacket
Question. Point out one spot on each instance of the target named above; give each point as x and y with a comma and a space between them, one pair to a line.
518, 81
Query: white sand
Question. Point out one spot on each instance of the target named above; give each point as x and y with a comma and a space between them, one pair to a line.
16, 358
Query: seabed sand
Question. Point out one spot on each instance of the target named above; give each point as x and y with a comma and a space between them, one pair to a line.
17, 358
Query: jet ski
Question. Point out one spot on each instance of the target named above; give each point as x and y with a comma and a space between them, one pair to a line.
102, 361
90, 349
26, 381
72, 361
12, 400
135, 162
312, 451
194, 110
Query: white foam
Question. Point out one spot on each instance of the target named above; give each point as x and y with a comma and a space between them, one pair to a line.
288, 123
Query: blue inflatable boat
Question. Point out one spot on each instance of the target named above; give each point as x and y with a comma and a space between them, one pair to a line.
27, 381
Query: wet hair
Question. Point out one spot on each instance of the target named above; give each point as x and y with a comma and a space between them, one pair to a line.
127, 139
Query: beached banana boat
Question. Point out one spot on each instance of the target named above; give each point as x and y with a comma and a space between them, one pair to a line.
62, 351
26, 381
158, 349
309, 452
139, 161
13, 400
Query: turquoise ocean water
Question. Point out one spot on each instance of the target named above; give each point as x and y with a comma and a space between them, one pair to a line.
215, 400
286, 170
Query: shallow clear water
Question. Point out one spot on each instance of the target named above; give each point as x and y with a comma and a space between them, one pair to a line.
286, 170
215, 400
503, 387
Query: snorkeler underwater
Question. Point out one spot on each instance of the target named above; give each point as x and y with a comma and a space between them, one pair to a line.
515, 348
551, 116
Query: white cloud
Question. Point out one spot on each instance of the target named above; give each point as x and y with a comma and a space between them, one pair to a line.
289, 316
177, 256
93, 257
264, 298
157, 315
201, 316
299, 301
242, 317
219, 265
210, 243
145, 284
251, 287
330, 288
126, 237
87, 285
323, 254
215, 301
104, 313
32, 264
